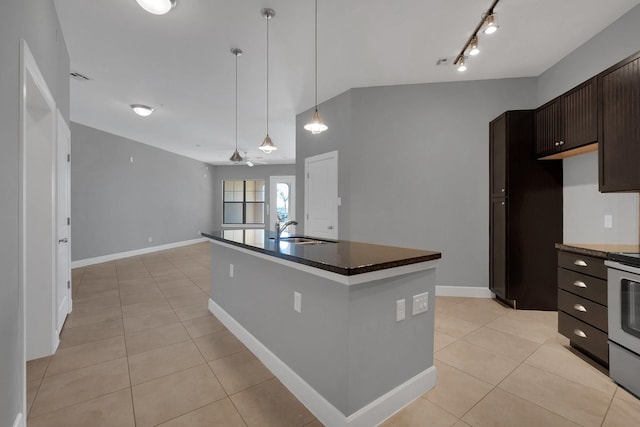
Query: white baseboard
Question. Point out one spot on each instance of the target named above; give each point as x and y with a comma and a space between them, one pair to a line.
120, 255
463, 291
371, 415
19, 422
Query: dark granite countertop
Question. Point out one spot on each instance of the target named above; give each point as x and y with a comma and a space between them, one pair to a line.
599, 250
342, 256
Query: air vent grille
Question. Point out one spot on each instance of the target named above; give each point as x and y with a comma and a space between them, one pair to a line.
79, 76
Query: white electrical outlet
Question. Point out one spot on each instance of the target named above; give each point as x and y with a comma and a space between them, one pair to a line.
297, 302
150, 239
608, 221
420, 303
400, 310
230, 270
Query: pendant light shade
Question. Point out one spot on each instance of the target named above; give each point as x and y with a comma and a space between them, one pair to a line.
236, 157
267, 145
316, 125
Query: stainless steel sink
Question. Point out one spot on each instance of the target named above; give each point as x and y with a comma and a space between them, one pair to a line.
301, 240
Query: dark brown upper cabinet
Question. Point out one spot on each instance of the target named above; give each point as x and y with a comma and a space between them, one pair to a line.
619, 153
498, 157
568, 125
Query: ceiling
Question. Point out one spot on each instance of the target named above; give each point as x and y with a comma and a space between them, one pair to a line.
181, 65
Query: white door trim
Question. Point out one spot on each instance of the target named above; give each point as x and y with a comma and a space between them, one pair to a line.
63, 151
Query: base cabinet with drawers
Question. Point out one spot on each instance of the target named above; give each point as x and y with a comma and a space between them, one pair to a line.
582, 303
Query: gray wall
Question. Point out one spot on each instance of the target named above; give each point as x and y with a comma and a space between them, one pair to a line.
117, 205
36, 21
236, 172
584, 206
414, 161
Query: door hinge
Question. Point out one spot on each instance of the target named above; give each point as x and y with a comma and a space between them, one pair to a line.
68, 221
307, 175
68, 157
307, 216
68, 284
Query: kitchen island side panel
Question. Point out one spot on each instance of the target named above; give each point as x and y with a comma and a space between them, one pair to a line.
313, 343
346, 343
383, 353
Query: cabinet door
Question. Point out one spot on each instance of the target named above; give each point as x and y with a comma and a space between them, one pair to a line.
579, 116
498, 248
619, 152
548, 128
498, 156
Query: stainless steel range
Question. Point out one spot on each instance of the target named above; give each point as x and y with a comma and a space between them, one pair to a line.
624, 319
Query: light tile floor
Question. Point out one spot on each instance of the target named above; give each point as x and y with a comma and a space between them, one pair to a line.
141, 348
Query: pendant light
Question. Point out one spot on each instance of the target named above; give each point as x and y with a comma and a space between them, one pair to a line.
316, 125
236, 157
268, 145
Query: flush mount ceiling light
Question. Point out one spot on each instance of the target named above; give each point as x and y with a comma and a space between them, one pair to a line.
142, 110
236, 157
488, 18
316, 125
157, 7
267, 145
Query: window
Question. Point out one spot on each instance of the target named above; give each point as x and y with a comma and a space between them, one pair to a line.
243, 202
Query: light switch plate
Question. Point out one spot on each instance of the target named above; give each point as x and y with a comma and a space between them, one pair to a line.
230, 270
608, 221
420, 303
400, 310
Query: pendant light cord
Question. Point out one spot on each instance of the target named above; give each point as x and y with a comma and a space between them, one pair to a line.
236, 101
316, 64
267, 17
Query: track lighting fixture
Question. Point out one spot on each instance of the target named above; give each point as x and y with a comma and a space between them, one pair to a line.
461, 66
489, 19
267, 145
491, 27
473, 47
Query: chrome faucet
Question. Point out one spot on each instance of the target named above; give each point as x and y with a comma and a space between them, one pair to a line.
281, 227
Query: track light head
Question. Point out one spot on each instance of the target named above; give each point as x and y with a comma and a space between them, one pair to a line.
490, 22
473, 46
461, 66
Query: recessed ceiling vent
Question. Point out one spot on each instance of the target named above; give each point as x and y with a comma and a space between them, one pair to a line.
443, 61
79, 76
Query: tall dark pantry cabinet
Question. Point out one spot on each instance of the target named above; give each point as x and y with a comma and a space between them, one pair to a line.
525, 215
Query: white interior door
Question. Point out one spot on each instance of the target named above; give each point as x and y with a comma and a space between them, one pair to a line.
38, 210
282, 205
63, 282
321, 195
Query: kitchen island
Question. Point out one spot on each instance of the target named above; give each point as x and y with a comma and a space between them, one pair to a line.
323, 318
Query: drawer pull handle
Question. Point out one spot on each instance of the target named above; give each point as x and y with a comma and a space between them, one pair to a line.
580, 263
579, 333
579, 307
579, 284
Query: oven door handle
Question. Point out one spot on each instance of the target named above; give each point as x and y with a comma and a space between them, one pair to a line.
579, 333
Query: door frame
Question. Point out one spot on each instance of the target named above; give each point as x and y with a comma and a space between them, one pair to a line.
62, 128
273, 180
